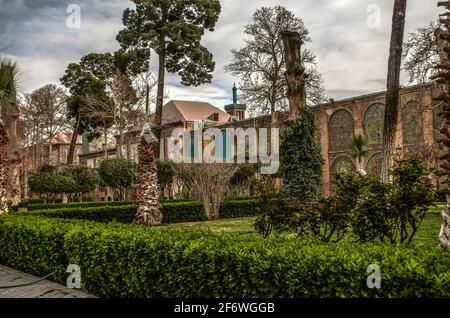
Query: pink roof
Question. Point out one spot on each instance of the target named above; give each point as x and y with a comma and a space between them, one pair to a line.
177, 110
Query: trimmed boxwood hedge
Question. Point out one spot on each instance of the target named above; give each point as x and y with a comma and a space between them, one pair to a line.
172, 212
54, 206
119, 260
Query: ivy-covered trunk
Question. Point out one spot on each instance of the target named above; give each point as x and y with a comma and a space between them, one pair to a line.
149, 209
442, 78
3, 171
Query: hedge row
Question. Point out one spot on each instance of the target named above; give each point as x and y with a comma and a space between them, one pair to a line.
132, 261
172, 212
71, 205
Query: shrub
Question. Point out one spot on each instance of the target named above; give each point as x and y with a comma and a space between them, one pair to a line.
86, 178
230, 209
274, 213
136, 262
371, 210
54, 206
103, 214
118, 173
372, 214
32, 245
411, 197
166, 174
48, 180
124, 212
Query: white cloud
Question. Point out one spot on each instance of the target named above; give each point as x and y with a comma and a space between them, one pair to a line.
352, 57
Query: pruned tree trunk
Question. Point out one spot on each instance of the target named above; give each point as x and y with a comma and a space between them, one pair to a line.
3, 171
149, 209
393, 86
295, 73
443, 78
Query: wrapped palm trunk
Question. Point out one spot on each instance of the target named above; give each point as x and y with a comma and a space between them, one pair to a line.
443, 79
3, 171
149, 209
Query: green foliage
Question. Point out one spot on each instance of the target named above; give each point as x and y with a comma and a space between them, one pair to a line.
39, 182
47, 168
300, 158
88, 95
137, 262
166, 172
328, 218
411, 196
362, 206
358, 147
243, 173
174, 30
177, 212
274, 213
86, 178
373, 218
8, 80
49, 180
102, 214
71, 205
118, 173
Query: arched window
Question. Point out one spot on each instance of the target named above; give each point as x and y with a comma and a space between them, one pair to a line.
412, 120
373, 123
340, 129
342, 164
373, 167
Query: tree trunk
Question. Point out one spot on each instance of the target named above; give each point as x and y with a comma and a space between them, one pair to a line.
149, 212
64, 198
442, 78
295, 73
393, 86
10, 115
73, 142
160, 93
105, 145
3, 171
211, 203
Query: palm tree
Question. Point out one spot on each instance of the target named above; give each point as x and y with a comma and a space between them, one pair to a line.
8, 88
149, 209
358, 149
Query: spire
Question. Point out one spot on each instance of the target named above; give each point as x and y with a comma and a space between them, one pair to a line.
235, 100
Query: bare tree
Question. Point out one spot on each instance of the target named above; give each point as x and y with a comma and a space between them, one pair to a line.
45, 113
421, 54
260, 65
208, 182
393, 86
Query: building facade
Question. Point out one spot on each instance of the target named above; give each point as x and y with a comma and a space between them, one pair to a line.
336, 122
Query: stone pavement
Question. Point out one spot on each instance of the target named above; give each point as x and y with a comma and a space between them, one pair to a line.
43, 289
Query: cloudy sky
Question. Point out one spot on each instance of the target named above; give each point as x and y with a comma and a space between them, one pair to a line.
352, 53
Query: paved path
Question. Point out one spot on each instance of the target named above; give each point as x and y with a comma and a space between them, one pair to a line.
43, 289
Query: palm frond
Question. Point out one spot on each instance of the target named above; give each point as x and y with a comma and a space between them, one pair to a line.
8, 80
358, 146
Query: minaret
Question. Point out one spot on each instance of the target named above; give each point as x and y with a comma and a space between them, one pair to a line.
236, 110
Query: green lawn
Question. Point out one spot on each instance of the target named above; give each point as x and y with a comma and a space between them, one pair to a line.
426, 235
